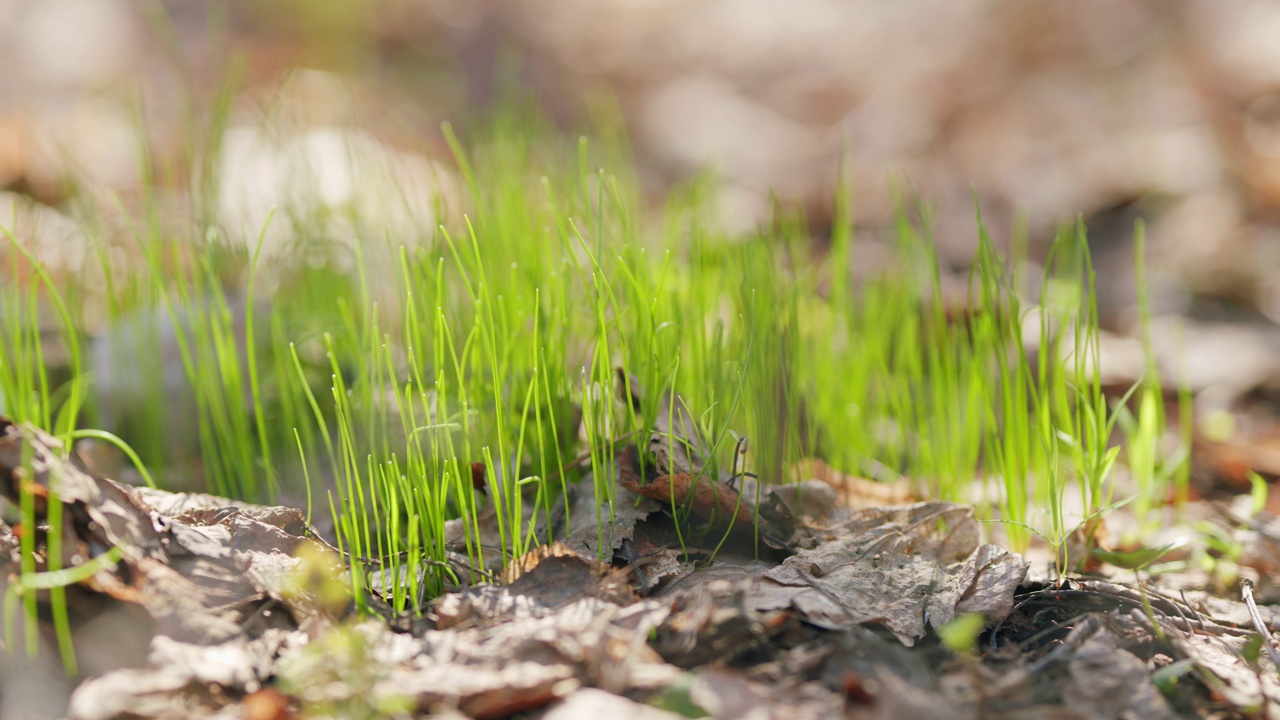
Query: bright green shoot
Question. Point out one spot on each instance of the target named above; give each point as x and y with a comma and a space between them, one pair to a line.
452, 391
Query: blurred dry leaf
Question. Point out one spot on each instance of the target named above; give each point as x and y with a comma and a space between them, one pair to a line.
854, 492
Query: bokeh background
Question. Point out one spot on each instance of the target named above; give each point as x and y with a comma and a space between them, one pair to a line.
1108, 110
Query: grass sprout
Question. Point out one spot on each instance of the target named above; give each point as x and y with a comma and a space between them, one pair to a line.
443, 390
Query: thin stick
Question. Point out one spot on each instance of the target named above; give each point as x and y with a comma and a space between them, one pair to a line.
1246, 589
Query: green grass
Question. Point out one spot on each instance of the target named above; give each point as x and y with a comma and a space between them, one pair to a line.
377, 387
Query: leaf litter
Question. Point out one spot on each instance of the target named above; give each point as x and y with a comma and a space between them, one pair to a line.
675, 609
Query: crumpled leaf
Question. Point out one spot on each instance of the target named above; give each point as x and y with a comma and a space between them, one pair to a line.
1242, 686
176, 674
1109, 682
812, 499
544, 580
710, 501
661, 566
780, 508
716, 504
102, 514
908, 568
493, 671
715, 621
199, 573
591, 527
851, 491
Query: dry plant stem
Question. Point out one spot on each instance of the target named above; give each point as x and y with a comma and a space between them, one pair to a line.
1246, 589
1176, 615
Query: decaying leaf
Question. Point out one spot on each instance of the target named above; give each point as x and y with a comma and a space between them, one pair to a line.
712, 502
1108, 681
598, 529
208, 577
198, 573
480, 670
715, 621
178, 677
555, 575
544, 580
854, 492
1232, 678
907, 568
565, 633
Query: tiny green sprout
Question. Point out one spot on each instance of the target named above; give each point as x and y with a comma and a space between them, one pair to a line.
315, 578
678, 699
1167, 677
1252, 649
960, 634
1257, 493
1219, 426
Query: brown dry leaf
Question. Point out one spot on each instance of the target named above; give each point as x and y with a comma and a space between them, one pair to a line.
811, 499
852, 491
720, 506
541, 582
496, 693
707, 499
597, 529
1109, 682
909, 568
101, 513
200, 572
1240, 685
555, 575
181, 679
488, 671
715, 621
858, 663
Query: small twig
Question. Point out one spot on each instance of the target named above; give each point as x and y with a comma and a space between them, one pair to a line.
1199, 616
1164, 605
1246, 589
739, 450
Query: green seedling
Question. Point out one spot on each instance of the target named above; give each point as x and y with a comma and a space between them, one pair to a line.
960, 634
442, 392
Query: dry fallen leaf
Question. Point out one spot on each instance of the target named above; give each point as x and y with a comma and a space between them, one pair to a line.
908, 568
854, 492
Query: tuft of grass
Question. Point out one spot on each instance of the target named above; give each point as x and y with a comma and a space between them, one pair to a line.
450, 381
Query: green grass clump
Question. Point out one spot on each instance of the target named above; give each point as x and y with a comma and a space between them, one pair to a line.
398, 383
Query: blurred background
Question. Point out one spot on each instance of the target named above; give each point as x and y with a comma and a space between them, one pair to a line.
1109, 110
